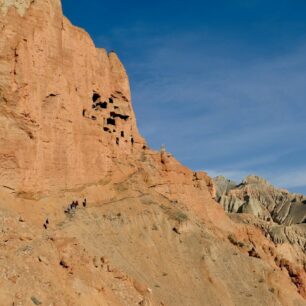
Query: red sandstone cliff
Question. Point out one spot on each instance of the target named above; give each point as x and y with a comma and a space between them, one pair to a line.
150, 232
51, 75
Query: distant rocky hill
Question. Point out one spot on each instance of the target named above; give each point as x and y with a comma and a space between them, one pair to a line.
283, 213
90, 215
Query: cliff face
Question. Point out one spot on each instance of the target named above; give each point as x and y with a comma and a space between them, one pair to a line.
145, 230
64, 103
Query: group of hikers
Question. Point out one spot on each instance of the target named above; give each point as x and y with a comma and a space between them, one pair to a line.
73, 206
69, 210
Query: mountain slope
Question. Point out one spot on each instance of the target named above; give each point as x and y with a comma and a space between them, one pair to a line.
150, 231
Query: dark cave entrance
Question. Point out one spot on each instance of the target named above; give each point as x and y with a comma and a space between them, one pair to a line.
111, 121
95, 97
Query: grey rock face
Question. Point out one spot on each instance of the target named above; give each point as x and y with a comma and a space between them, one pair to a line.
283, 213
223, 185
257, 196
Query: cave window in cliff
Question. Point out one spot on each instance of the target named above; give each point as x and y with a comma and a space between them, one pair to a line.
111, 121
116, 115
51, 95
111, 100
132, 141
106, 129
100, 104
95, 97
304, 221
117, 141
103, 105
122, 134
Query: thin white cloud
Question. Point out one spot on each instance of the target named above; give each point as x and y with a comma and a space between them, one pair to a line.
220, 102
291, 179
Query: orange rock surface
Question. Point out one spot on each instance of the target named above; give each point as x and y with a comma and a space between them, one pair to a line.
150, 231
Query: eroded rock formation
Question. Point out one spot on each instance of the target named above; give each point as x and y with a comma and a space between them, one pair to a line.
149, 231
284, 213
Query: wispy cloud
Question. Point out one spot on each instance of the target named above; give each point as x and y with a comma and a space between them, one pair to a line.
219, 104
291, 179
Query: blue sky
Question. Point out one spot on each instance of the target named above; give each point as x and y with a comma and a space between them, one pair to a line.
221, 83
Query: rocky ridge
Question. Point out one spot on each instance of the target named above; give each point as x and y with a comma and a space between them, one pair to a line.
281, 213
89, 214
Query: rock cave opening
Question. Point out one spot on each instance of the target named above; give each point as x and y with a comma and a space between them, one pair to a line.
95, 97
116, 115
52, 95
111, 121
102, 105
